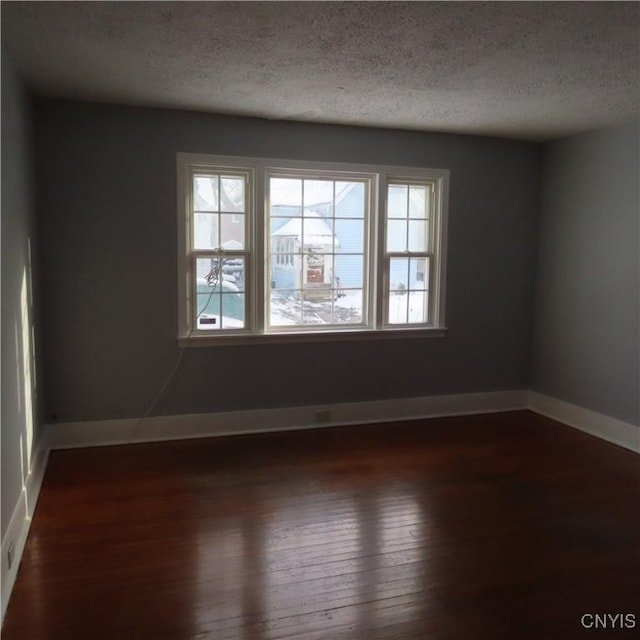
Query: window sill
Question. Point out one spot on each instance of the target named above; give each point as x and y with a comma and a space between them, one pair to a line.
297, 337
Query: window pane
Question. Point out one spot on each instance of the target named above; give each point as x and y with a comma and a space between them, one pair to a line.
347, 307
397, 201
350, 200
419, 273
286, 271
289, 260
233, 275
316, 252
208, 316
417, 201
207, 268
205, 193
399, 274
205, 231
398, 310
417, 235
396, 235
292, 229
232, 194
230, 274
211, 272
232, 229
315, 306
316, 270
220, 299
285, 308
220, 311
284, 251
314, 313
315, 233
286, 235
318, 197
285, 193
349, 272
408, 279
349, 235
232, 311
418, 307
207, 304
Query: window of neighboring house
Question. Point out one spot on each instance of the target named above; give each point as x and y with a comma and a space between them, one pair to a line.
285, 252
299, 250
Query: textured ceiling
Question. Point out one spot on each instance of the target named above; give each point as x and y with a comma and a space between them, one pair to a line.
531, 70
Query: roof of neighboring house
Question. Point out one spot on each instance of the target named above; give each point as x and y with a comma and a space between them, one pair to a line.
316, 230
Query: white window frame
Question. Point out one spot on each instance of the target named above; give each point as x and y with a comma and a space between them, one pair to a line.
313, 171
257, 238
429, 253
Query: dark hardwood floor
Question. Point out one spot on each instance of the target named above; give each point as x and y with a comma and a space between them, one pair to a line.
504, 526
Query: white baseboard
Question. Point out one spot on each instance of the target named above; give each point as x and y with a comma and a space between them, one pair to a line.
110, 432
20, 522
596, 424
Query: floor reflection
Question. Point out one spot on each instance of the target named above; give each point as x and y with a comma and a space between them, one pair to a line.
312, 548
348, 560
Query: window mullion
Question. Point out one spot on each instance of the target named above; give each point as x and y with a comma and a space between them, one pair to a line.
408, 218
381, 265
259, 291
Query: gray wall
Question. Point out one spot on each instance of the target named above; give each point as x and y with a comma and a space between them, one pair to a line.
107, 209
586, 347
20, 393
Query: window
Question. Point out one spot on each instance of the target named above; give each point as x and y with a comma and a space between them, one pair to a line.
285, 251
408, 253
273, 249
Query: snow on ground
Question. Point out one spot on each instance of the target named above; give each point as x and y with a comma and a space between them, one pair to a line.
347, 309
287, 312
403, 310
